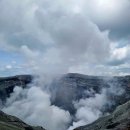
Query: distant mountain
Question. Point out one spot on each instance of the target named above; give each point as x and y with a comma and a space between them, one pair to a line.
7, 84
72, 87
118, 120
8, 122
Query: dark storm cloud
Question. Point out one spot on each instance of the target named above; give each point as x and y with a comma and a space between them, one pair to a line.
111, 15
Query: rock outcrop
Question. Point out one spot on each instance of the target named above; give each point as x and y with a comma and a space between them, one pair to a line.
7, 84
118, 120
8, 122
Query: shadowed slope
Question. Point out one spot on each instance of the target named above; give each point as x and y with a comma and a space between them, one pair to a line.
8, 122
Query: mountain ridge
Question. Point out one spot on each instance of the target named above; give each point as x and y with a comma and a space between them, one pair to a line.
118, 120
69, 87
8, 122
72, 87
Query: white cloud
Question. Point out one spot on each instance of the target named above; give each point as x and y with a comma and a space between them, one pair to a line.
53, 32
8, 66
64, 34
33, 106
120, 53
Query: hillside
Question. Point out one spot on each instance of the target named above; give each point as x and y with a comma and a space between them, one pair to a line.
8, 122
118, 120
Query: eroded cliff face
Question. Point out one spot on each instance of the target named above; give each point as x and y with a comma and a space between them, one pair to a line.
118, 120
8, 122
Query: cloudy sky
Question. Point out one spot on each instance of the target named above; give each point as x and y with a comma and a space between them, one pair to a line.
44, 36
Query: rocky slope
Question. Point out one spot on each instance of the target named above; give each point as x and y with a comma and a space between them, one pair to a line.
8, 122
118, 120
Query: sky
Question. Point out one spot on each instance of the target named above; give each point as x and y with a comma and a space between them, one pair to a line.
43, 36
